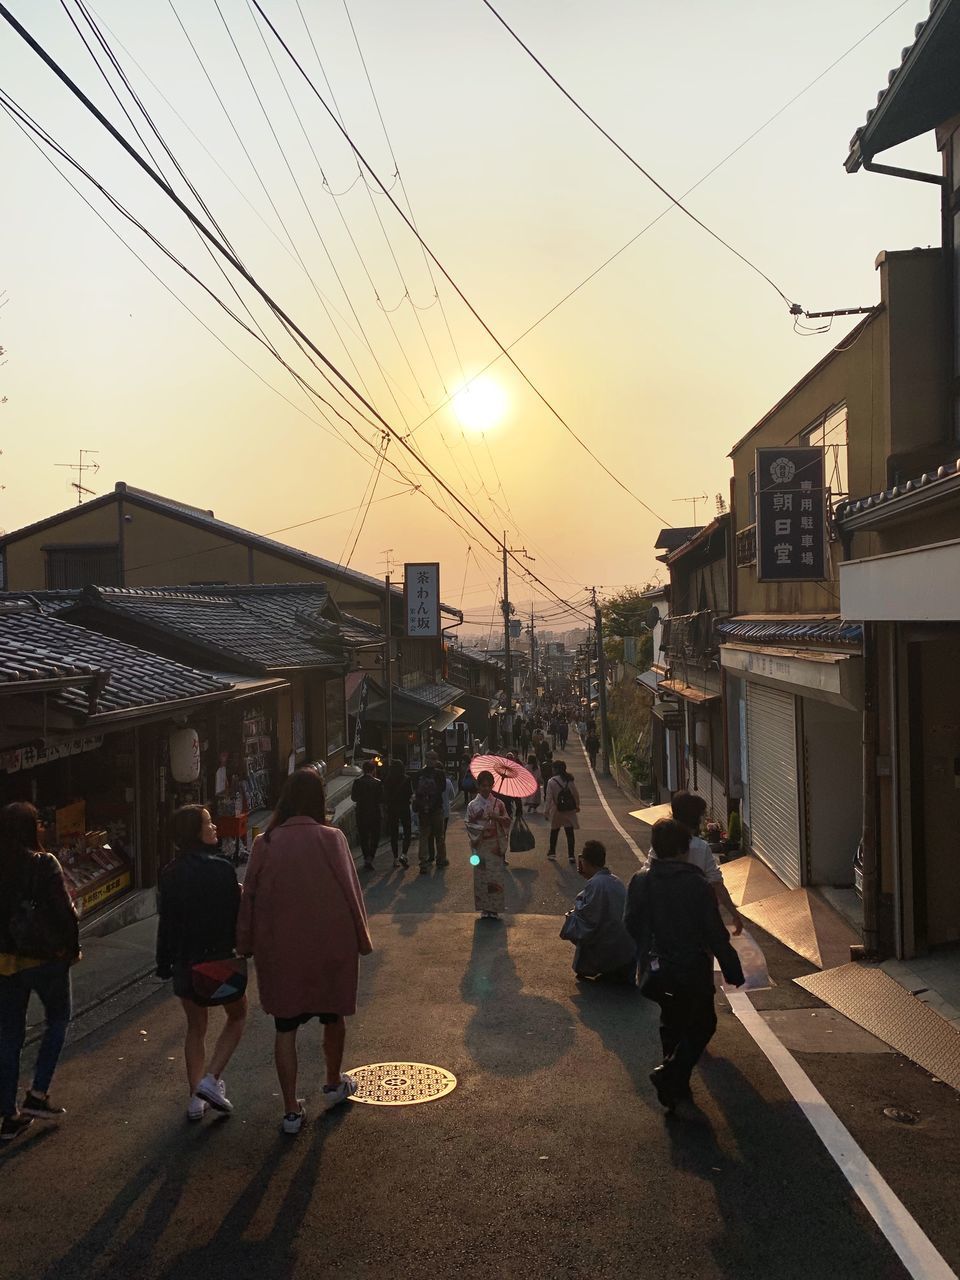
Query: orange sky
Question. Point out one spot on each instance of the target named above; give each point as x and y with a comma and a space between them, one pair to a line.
661, 362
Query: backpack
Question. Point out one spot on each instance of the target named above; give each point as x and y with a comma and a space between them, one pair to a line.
28, 926
428, 797
565, 803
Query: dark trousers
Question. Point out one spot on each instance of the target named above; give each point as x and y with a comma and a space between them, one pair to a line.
553, 840
397, 818
593, 760
51, 982
688, 1020
368, 831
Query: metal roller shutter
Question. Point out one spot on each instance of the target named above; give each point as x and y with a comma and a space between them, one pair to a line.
773, 781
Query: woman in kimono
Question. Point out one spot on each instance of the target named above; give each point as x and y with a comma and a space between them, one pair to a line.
488, 828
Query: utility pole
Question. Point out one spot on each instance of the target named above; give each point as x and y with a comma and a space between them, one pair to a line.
508, 718
602, 688
388, 664
533, 659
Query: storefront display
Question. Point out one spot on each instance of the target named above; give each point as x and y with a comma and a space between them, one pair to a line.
85, 792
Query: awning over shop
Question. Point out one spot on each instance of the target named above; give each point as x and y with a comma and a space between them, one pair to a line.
921, 584
831, 677
691, 693
446, 718
408, 713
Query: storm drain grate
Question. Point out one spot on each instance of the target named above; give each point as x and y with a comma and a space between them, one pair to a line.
401, 1084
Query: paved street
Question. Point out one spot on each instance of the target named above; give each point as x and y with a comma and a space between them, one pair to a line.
551, 1158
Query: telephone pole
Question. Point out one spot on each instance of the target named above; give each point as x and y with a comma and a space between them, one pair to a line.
388, 656
533, 659
602, 688
508, 718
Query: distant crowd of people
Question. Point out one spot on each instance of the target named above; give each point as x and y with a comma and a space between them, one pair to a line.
300, 914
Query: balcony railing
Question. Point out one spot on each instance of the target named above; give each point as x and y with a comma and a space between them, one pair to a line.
747, 546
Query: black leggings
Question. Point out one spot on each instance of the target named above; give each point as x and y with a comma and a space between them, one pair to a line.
553, 839
397, 819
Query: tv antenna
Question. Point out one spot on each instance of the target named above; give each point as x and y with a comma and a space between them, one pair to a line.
700, 497
81, 468
387, 561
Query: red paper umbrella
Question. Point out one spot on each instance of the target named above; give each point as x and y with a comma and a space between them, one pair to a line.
510, 778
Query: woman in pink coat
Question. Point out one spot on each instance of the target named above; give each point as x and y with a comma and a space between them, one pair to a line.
303, 920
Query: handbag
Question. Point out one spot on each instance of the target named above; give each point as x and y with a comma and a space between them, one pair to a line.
522, 839
219, 981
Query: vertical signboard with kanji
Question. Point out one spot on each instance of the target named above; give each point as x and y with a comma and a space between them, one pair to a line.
791, 515
421, 599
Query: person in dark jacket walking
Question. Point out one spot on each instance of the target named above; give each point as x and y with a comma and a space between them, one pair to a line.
397, 794
367, 794
428, 802
592, 744
198, 904
672, 915
38, 944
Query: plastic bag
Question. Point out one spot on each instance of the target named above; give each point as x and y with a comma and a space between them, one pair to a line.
522, 839
753, 962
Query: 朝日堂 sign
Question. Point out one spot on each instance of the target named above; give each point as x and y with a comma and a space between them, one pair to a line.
421, 599
791, 515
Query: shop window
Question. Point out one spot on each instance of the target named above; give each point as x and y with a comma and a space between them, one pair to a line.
336, 716
80, 566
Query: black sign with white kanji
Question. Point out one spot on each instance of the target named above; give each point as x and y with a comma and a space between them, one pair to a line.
791, 515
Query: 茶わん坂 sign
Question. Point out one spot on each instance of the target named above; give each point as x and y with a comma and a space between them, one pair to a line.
421, 599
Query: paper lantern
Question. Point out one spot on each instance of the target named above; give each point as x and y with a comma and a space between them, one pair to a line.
185, 755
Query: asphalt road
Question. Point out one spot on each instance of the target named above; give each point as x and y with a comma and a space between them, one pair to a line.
551, 1157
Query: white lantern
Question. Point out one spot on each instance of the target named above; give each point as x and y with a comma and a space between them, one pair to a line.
702, 733
184, 755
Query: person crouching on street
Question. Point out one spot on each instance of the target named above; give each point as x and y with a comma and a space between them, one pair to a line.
303, 920
604, 949
198, 902
673, 917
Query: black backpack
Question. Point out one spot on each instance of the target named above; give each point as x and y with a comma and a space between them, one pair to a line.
565, 802
428, 798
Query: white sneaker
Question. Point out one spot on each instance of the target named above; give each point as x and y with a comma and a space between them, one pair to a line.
196, 1109
212, 1092
293, 1121
344, 1090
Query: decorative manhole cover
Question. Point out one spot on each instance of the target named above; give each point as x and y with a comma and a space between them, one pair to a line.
401, 1084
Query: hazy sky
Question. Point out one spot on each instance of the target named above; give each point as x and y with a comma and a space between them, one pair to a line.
661, 362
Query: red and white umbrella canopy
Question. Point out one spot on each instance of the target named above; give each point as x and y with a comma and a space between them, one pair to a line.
510, 777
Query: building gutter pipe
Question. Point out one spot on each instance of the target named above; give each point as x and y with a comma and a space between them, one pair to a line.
914, 175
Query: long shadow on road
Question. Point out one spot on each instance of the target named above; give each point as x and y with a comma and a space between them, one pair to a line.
512, 1032
176, 1179
770, 1173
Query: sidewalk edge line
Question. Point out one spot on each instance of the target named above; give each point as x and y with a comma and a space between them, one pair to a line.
902, 1231
638, 852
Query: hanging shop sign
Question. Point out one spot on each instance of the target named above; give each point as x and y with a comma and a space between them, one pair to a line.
421, 599
184, 755
30, 757
791, 515
361, 713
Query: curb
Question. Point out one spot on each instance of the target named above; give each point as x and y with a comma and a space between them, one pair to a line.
35, 1032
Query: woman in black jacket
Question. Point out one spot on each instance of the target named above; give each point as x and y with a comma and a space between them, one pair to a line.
199, 901
39, 941
397, 794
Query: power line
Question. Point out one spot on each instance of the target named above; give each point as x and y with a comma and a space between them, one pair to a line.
467, 303
669, 208
238, 266
675, 200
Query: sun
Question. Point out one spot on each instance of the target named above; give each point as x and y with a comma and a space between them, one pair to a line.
481, 404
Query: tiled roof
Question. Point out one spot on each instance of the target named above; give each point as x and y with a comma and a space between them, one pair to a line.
930, 485
33, 645
267, 628
357, 631
670, 539
439, 694
929, 72
830, 633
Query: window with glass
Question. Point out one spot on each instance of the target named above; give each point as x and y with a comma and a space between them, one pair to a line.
830, 433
